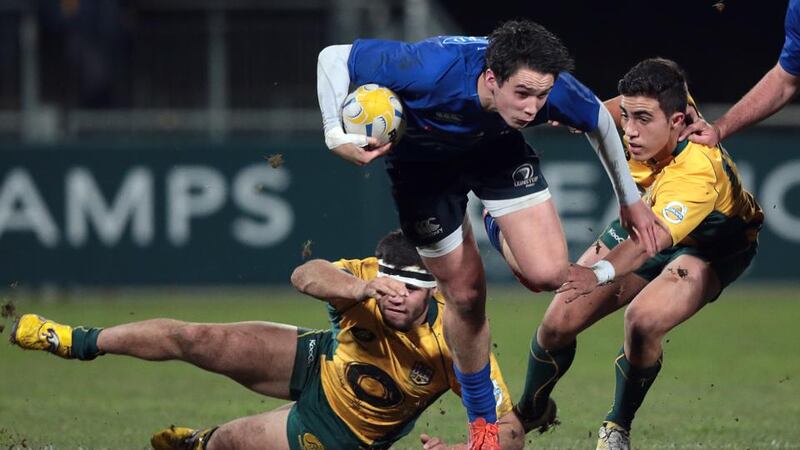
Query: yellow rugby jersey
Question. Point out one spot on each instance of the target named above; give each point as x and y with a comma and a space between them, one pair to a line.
378, 380
698, 194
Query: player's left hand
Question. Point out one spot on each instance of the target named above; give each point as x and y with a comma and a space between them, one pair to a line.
580, 281
641, 223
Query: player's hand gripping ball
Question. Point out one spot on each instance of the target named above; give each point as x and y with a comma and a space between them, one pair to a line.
374, 111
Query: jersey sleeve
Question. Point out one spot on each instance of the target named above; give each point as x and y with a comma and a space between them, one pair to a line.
501, 395
399, 66
790, 55
683, 200
356, 268
571, 104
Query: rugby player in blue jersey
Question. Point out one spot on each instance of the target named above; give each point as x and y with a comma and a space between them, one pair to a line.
466, 100
776, 89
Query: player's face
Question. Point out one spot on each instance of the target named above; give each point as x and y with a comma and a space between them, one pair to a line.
649, 133
404, 313
521, 96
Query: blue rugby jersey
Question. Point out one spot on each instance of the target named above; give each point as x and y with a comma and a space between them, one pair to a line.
790, 55
436, 80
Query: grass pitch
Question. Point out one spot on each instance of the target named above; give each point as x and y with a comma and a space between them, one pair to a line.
731, 376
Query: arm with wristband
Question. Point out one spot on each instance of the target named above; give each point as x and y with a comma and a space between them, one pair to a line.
620, 261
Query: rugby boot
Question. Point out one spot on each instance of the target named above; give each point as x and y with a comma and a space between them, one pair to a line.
483, 436
613, 437
33, 332
179, 438
543, 422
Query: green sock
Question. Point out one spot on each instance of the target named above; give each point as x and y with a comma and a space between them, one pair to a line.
545, 367
84, 343
632, 385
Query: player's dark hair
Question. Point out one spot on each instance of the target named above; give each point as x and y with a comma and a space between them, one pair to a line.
517, 44
396, 249
658, 78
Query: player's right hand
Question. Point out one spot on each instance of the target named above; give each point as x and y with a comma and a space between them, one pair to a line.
381, 287
701, 132
362, 156
580, 281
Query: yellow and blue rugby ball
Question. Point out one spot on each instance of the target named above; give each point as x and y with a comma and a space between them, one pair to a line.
374, 111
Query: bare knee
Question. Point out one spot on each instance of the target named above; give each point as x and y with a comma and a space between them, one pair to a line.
193, 339
642, 328
466, 301
266, 430
557, 330
236, 434
547, 278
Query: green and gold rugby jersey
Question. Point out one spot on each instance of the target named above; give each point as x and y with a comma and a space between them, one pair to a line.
698, 194
377, 379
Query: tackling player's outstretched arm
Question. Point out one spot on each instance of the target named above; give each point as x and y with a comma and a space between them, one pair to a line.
333, 82
323, 280
777, 88
573, 104
621, 260
635, 216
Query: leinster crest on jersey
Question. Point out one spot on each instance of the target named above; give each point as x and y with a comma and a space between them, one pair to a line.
421, 374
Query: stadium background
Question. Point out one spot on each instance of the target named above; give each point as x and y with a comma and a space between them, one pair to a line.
165, 158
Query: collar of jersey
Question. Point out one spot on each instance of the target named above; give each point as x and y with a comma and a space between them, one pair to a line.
654, 164
680, 147
433, 311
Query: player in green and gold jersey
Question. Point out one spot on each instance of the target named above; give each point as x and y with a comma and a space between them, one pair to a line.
360, 384
709, 238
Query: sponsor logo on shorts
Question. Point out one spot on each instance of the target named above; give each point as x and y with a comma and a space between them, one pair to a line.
312, 352
498, 393
53, 339
524, 175
421, 374
674, 212
362, 334
428, 227
310, 442
613, 233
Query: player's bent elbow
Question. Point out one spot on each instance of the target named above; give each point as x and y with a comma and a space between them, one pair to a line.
325, 52
328, 53
301, 277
